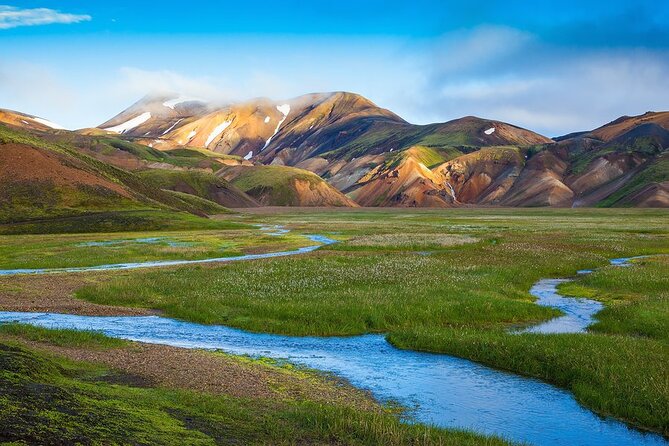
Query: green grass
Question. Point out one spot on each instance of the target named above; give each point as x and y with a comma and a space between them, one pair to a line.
61, 337
467, 294
200, 152
428, 156
117, 221
72, 250
22, 201
110, 146
273, 184
638, 298
624, 377
198, 186
45, 399
199, 181
206, 206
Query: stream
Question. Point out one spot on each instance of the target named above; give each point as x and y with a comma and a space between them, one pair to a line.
439, 389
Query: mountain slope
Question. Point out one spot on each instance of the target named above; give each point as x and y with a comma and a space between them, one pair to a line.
39, 178
284, 186
604, 162
25, 121
371, 154
201, 184
320, 126
343, 137
404, 180
624, 124
378, 159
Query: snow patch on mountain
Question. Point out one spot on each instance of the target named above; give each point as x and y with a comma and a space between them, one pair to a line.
284, 110
490, 131
217, 131
176, 101
130, 124
48, 123
267, 118
249, 155
173, 125
191, 135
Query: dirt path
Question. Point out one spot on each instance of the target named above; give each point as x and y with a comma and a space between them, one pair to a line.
54, 293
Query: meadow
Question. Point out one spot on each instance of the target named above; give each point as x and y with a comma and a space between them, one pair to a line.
445, 281
73, 250
458, 287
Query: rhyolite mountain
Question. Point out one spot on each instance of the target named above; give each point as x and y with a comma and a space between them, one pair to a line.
378, 159
43, 175
324, 149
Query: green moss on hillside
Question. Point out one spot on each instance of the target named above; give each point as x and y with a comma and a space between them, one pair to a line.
657, 172
24, 201
274, 184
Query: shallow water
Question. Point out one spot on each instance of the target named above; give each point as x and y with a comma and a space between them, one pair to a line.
579, 312
319, 239
145, 240
446, 391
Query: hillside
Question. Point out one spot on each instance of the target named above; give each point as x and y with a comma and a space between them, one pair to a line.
25, 121
284, 186
262, 152
40, 178
201, 184
622, 163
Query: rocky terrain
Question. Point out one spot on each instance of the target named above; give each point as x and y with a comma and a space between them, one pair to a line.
325, 149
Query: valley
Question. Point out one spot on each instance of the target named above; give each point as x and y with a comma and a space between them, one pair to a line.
458, 285
317, 254
351, 223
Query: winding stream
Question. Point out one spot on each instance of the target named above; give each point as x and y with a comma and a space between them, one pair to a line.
579, 312
320, 240
446, 391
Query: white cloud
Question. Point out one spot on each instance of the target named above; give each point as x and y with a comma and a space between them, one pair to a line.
487, 88
138, 82
502, 74
12, 17
466, 50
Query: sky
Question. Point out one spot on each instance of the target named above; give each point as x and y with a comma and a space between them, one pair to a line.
551, 66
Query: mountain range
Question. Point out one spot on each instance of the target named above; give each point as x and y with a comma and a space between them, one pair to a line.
324, 149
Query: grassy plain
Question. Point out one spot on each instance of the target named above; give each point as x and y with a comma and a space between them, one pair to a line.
71, 250
637, 298
459, 297
452, 281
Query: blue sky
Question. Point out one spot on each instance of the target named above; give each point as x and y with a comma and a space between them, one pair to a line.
551, 66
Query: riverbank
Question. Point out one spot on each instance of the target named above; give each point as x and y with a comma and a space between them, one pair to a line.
109, 393
431, 293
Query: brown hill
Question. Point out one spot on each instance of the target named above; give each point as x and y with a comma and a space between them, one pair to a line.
284, 186
372, 155
624, 124
25, 121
